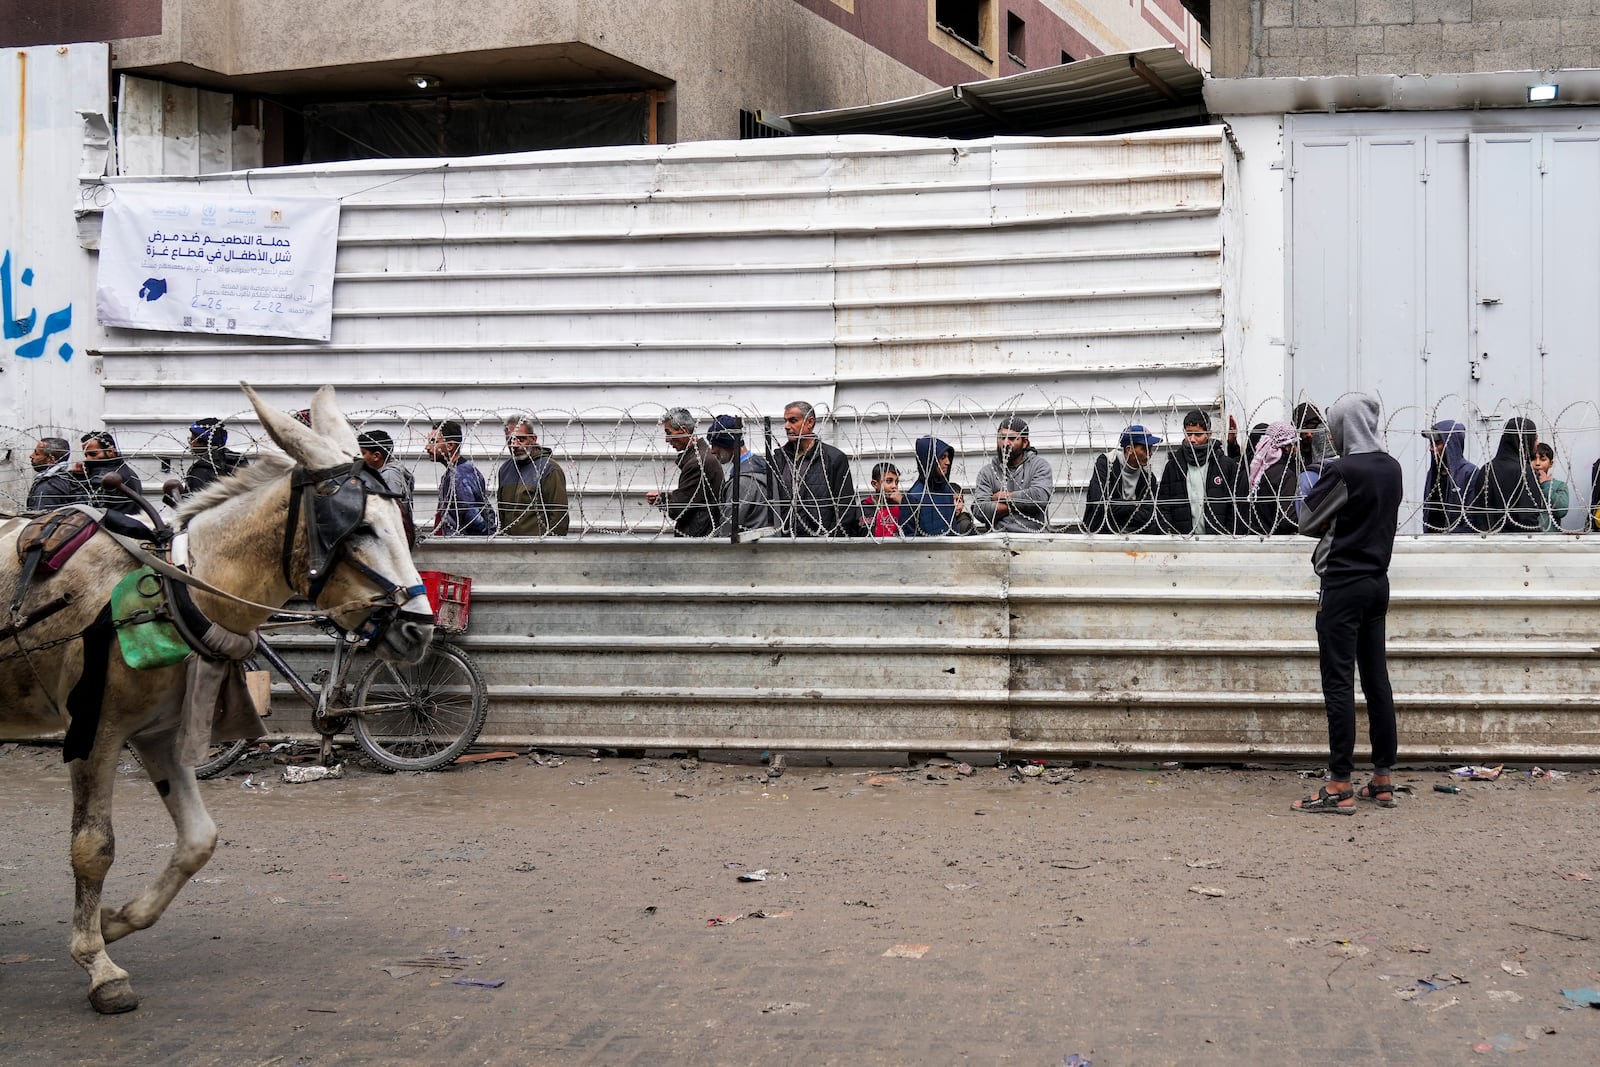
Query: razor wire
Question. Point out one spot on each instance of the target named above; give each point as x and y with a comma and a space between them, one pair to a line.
612, 458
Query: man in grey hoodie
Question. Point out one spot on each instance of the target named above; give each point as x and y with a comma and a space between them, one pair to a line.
1353, 510
1013, 490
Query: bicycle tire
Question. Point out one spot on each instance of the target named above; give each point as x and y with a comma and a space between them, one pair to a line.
422, 716
220, 756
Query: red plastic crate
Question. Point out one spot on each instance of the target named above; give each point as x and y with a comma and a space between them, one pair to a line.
450, 597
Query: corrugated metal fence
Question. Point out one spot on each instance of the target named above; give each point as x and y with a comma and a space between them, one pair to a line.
1068, 645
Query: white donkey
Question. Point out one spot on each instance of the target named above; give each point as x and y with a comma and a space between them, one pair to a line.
310, 524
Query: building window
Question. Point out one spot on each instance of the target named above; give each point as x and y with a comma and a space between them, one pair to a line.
962, 19
1016, 38
752, 128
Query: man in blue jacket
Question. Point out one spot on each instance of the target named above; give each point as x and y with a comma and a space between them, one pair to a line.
463, 504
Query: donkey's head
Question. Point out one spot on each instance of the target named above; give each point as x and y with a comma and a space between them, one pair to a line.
345, 540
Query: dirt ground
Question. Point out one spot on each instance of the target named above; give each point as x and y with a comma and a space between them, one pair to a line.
559, 912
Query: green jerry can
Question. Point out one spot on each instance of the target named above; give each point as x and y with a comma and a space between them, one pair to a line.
147, 640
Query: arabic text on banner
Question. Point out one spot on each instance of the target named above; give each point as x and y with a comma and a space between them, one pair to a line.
176, 260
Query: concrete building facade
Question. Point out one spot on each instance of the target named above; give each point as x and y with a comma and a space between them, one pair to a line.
324, 81
1317, 38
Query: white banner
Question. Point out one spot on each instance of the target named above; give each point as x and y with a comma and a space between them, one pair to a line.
174, 259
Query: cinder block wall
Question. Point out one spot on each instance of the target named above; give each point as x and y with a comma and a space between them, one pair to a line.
1310, 38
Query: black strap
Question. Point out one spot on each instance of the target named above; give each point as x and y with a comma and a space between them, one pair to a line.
88, 695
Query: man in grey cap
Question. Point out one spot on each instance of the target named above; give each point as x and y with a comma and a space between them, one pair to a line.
1013, 490
53, 485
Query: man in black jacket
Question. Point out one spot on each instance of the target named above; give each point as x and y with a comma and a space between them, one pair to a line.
1353, 509
1200, 489
815, 493
695, 504
100, 458
53, 485
1121, 497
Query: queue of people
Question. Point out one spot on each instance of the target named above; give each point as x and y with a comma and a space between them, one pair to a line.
805, 487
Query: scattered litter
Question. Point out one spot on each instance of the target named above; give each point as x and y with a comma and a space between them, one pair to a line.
1137, 942
882, 779
859, 904
250, 785
1432, 984
1581, 998
1347, 950
964, 770
776, 767
524, 867
544, 760
1447, 789
907, 952
485, 757
1031, 770
1452, 1002
1540, 772
1063, 865
1479, 774
401, 972
1575, 876
766, 914
314, 772
481, 983
20, 957
338, 876
1501, 1043
1076, 1060
1208, 890
1419, 948
1510, 995
788, 1007
958, 887
1203, 865
1512, 968
724, 920
754, 876
650, 909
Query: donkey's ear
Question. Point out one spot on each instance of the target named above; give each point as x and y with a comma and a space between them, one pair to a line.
303, 444
329, 421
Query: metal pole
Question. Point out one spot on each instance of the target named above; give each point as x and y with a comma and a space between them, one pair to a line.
733, 516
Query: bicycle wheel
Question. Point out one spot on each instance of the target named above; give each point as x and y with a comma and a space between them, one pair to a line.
220, 756
420, 717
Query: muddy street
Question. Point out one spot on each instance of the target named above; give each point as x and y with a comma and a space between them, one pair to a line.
581, 910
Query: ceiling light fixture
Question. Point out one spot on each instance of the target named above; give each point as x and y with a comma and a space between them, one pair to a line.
1543, 94
421, 81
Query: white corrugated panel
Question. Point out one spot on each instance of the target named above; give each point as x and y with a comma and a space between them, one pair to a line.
54, 132
895, 283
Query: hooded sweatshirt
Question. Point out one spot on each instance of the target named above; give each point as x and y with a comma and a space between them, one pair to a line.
1505, 496
1449, 477
1030, 482
1355, 504
930, 507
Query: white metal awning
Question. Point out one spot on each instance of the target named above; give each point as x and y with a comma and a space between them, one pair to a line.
1114, 93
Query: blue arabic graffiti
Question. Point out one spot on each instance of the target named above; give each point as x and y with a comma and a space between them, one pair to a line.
15, 326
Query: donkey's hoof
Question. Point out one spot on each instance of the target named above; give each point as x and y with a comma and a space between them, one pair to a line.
114, 997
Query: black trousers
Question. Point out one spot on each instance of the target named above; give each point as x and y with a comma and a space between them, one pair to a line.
1350, 635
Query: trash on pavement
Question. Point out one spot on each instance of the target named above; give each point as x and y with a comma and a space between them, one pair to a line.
1479, 774
907, 952
1581, 998
481, 983
315, 772
1208, 890
484, 757
754, 876
1513, 968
